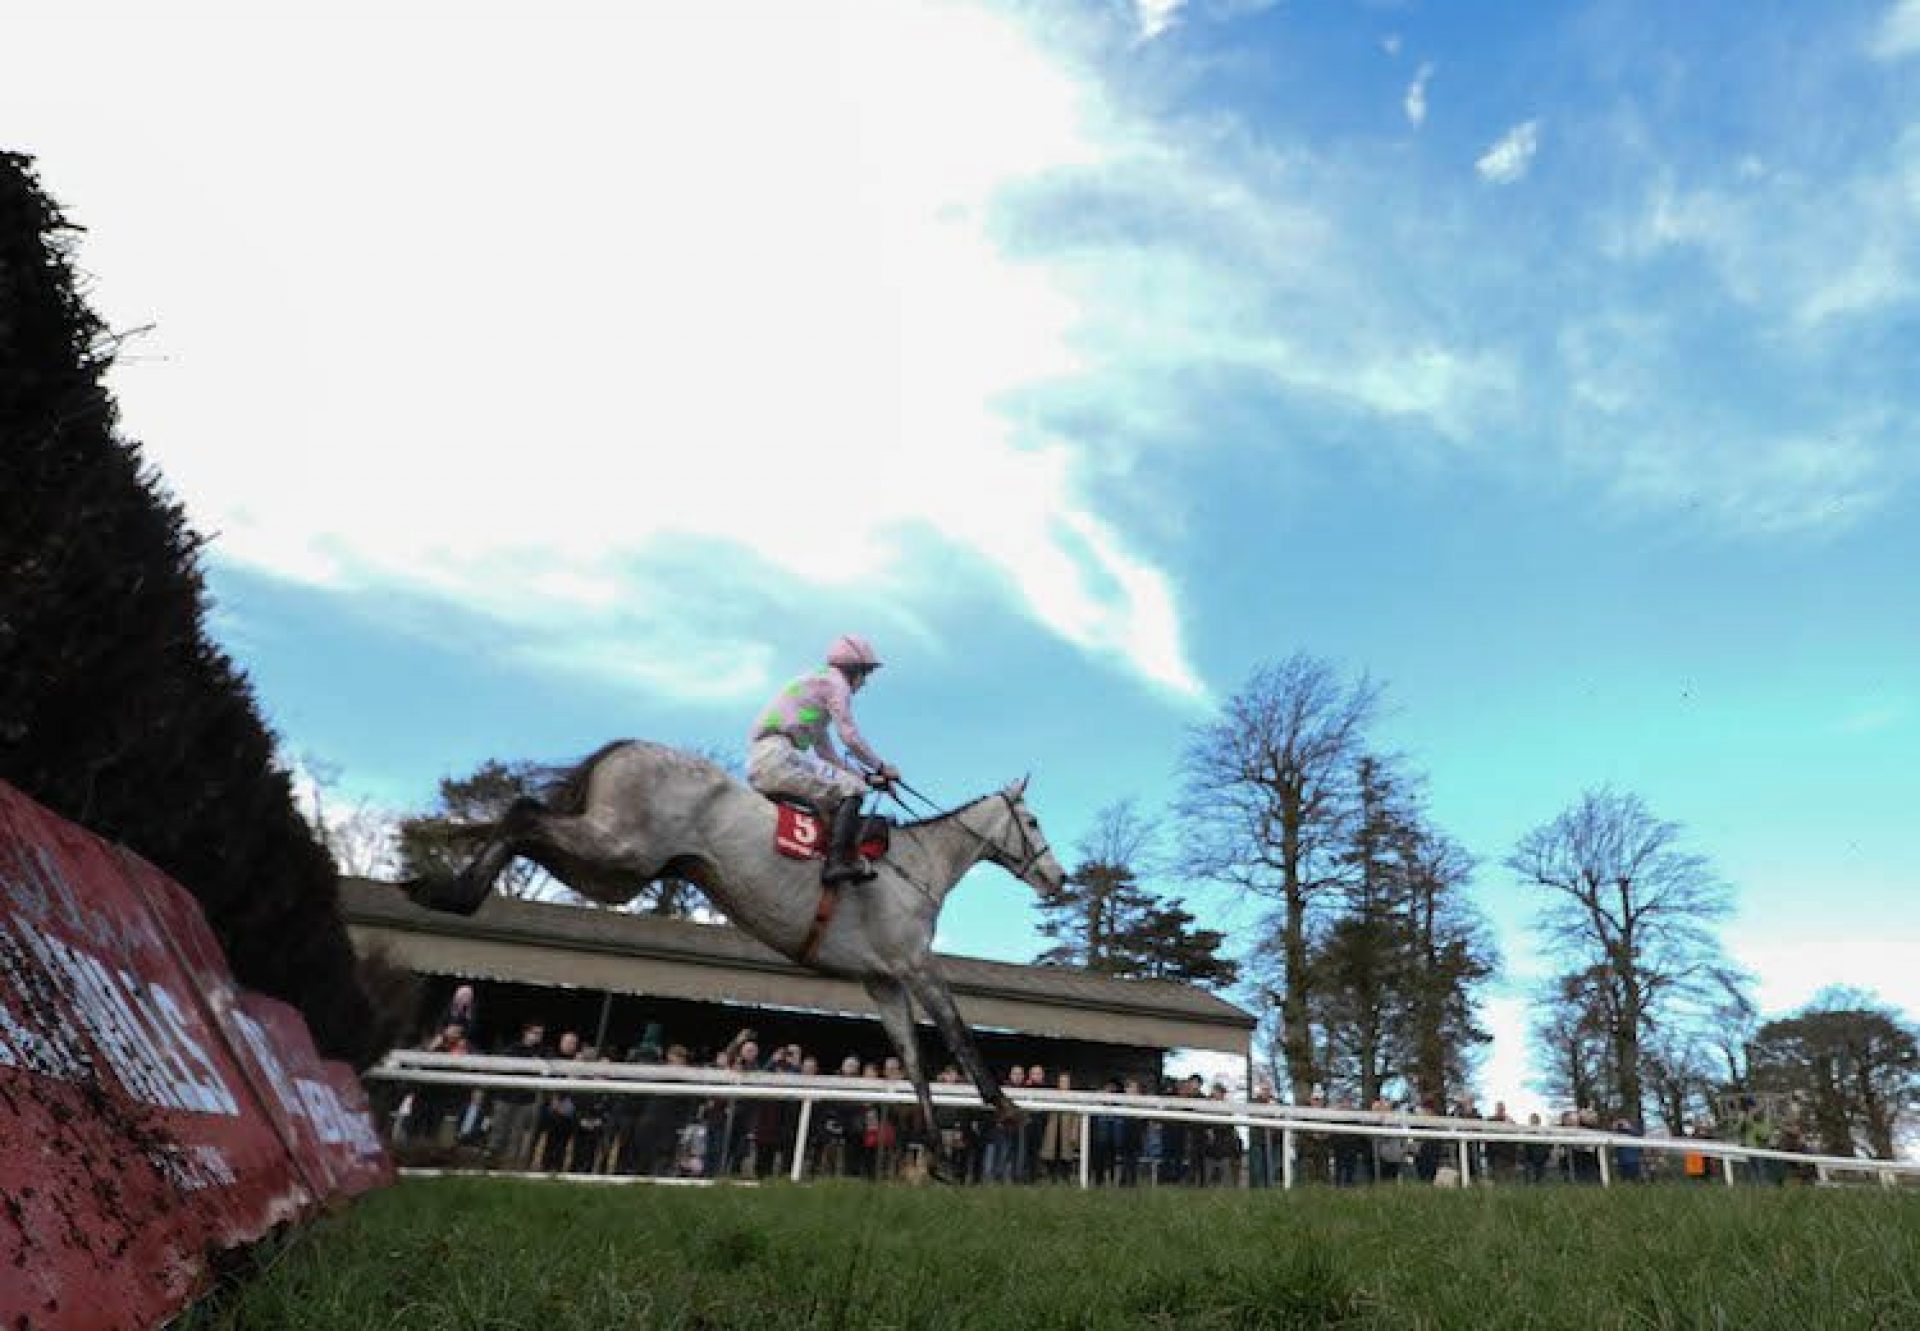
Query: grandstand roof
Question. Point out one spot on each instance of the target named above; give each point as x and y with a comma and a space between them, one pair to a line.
550, 944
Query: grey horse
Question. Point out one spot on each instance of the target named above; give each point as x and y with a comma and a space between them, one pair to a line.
635, 812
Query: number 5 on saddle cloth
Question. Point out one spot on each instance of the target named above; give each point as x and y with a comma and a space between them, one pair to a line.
801, 834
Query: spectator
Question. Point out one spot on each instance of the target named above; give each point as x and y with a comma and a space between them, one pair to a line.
1627, 1158
1107, 1135
774, 1122
1224, 1150
591, 1127
1059, 1154
1027, 1167
1171, 1162
1002, 1137
1426, 1150
1351, 1156
463, 1010
649, 1126
561, 1116
1503, 1157
954, 1132
1389, 1153
515, 1113
717, 1122
1534, 1155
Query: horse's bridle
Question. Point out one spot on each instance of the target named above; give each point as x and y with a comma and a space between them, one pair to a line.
1026, 841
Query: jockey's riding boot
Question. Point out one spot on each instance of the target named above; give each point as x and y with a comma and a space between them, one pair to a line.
844, 862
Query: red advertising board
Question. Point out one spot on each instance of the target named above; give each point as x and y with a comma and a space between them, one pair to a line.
300, 1089
139, 1129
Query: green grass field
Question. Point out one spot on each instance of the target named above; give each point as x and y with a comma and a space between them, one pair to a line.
475, 1253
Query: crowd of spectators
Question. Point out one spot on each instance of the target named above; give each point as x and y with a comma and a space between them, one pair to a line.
517, 1128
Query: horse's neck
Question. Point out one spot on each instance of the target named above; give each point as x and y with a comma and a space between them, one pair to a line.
954, 844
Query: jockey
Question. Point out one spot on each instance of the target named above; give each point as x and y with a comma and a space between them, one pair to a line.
791, 752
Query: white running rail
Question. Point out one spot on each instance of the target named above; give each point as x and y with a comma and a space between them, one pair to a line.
490, 1072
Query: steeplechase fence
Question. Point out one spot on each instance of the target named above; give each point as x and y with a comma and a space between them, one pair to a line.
153, 1115
1292, 1125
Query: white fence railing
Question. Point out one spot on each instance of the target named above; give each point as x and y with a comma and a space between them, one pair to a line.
520, 1074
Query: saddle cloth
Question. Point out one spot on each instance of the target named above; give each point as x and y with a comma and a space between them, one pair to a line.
799, 834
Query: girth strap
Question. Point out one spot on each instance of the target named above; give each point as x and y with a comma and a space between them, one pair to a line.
822, 917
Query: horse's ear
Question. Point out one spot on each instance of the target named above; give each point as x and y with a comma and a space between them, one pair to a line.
1020, 786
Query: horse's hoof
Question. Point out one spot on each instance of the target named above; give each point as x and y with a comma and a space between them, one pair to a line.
442, 894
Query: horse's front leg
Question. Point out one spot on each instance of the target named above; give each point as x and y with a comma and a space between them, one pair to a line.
931, 990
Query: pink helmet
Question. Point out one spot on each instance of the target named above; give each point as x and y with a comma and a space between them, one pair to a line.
851, 649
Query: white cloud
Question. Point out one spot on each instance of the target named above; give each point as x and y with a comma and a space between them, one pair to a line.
1156, 16
1792, 967
607, 291
1509, 159
1416, 101
1391, 43
1898, 35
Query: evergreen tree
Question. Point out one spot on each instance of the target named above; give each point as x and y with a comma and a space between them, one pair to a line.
117, 710
1102, 919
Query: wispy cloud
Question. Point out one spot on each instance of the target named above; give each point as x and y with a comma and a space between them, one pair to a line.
1510, 157
1813, 253
1416, 100
1874, 717
1156, 16
1898, 34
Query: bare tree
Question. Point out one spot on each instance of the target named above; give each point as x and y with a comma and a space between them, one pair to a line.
1570, 1029
1627, 907
1268, 791
363, 839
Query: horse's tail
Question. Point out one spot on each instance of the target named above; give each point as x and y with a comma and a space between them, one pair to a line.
565, 795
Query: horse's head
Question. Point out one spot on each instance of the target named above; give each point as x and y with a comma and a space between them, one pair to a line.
1021, 848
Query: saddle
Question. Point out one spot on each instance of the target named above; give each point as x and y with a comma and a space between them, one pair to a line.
800, 832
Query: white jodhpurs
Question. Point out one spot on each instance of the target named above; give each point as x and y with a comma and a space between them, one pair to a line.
775, 767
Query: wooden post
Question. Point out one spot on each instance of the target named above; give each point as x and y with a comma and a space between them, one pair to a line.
1286, 1158
1726, 1167
1606, 1174
1466, 1170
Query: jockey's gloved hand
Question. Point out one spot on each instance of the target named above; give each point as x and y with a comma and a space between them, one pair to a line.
879, 781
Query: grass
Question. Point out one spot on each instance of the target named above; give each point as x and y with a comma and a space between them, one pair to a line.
475, 1253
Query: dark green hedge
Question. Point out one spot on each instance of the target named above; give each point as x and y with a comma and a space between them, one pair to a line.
116, 707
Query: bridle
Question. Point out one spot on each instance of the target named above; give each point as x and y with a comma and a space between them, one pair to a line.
1027, 847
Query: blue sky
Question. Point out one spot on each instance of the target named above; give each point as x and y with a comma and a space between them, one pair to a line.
548, 376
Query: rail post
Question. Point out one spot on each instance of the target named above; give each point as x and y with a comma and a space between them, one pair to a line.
1286, 1158
1086, 1150
800, 1138
1726, 1167
1466, 1167
1606, 1174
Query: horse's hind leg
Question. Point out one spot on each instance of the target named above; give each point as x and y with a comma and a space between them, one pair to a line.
896, 1016
937, 999
464, 893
